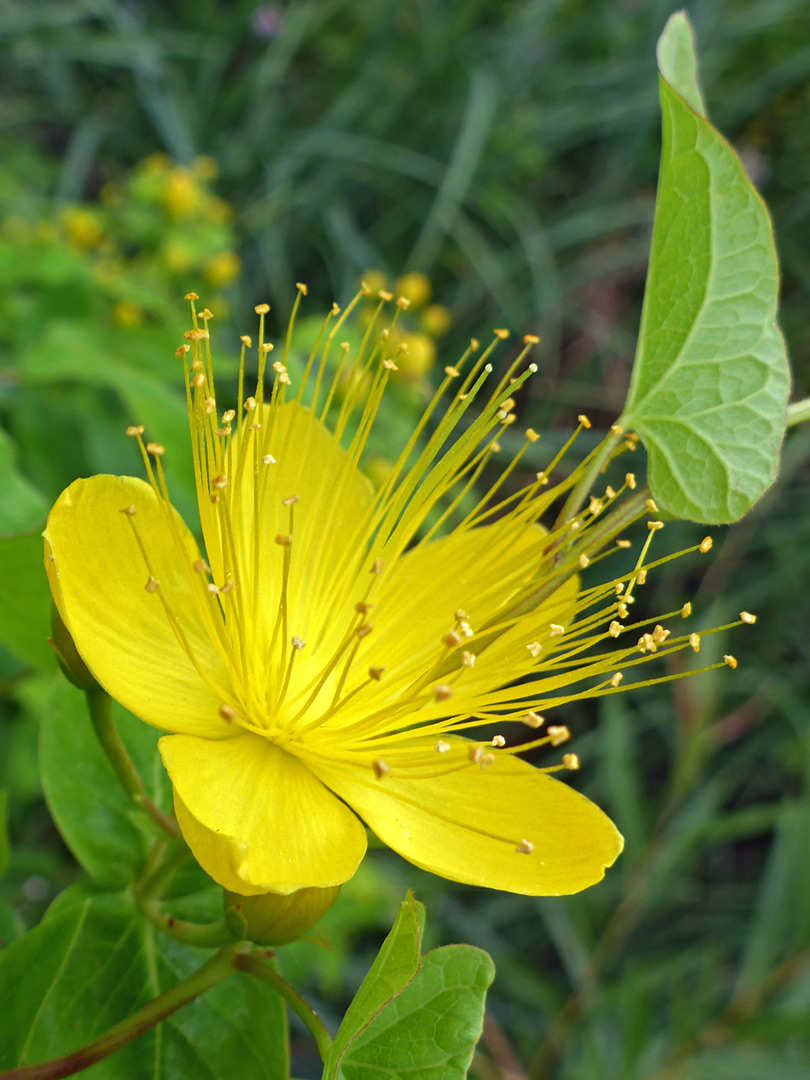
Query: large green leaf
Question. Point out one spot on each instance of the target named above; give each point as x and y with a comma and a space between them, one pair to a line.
416, 1017
92, 962
25, 601
107, 834
22, 506
710, 381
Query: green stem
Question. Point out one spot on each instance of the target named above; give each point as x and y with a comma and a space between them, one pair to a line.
601, 456
798, 412
302, 1009
100, 707
217, 969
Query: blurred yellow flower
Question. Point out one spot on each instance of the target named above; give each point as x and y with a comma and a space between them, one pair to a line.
82, 226
415, 287
182, 195
222, 270
436, 320
418, 357
329, 659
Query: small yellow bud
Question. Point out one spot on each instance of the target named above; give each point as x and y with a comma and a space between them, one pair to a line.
277, 918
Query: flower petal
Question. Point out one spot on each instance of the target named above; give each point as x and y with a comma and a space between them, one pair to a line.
466, 824
122, 632
257, 819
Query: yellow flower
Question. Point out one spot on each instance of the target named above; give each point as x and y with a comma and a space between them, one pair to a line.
328, 660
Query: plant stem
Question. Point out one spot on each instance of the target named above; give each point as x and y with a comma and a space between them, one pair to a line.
99, 705
601, 456
211, 973
798, 412
302, 1009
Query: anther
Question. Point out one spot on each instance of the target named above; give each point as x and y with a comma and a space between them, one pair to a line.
555, 630
531, 339
641, 577
210, 405
364, 630
220, 482
403, 303
583, 419
532, 435
297, 643
335, 310
729, 660
278, 367
362, 607
268, 459
646, 643
525, 847
616, 679
705, 545
686, 610
609, 492
265, 348
558, 734
442, 692
532, 719
615, 628
152, 585
460, 614
291, 500
623, 543
181, 351
571, 761
250, 404
622, 611
654, 526
497, 740
191, 296
660, 635
246, 340
747, 617
651, 506
261, 309
486, 759
468, 659
442, 747
376, 673
584, 560
389, 365
130, 510
630, 480
534, 648
501, 334
452, 372
376, 566
301, 287
283, 539
198, 381
227, 416
222, 432
595, 505
206, 314
201, 566
451, 639
381, 769
135, 429
694, 641
385, 296
475, 753
227, 713
615, 429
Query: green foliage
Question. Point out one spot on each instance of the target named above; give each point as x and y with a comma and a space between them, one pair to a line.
413, 1015
710, 381
93, 961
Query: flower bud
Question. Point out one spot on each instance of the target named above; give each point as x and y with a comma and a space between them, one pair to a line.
67, 654
277, 918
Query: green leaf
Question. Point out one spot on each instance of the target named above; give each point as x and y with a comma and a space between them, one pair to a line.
107, 834
92, 962
710, 381
5, 848
22, 506
412, 1016
677, 60
25, 601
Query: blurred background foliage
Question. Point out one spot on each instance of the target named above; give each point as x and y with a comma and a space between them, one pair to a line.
503, 155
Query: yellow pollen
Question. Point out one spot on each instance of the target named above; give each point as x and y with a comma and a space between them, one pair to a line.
222, 432
191, 296
459, 614
261, 309
283, 539
531, 339
468, 659
385, 296
380, 768
220, 482
650, 504
558, 734
210, 405
508, 405
646, 643
584, 560
442, 747
152, 585
615, 628
622, 611
291, 500
686, 610
525, 847
694, 641
595, 505
206, 314
442, 692
583, 419
555, 630
130, 510
532, 719
615, 429
336, 308
268, 459
250, 404
532, 435
571, 761
616, 679
301, 287
534, 648
705, 545
452, 372
403, 303
654, 526
376, 673
198, 381
729, 661
630, 480
201, 566
278, 367
623, 543
227, 416
541, 478
135, 429
376, 566
659, 634
747, 617
364, 630
475, 753
502, 335
486, 759
265, 348
246, 340
181, 351
297, 643
641, 577
227, 713
362, 607
451, 639
389, 365
497, 740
